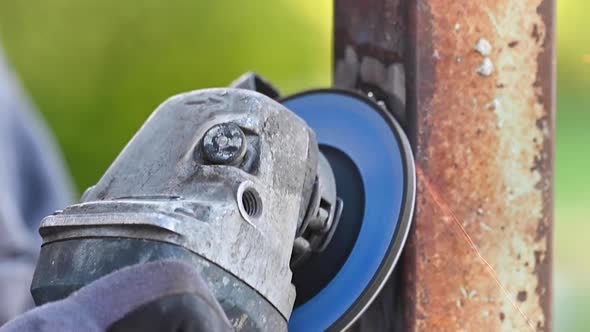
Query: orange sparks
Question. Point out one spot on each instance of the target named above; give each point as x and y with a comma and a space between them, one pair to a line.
447, 211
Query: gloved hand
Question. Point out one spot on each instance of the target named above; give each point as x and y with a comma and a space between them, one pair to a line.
158, 296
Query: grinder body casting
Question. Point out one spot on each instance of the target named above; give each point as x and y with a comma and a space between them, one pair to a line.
220, 178
238, 186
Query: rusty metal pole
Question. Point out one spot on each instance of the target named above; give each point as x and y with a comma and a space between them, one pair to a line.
473, 83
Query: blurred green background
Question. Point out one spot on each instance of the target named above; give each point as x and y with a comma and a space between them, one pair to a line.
97, 69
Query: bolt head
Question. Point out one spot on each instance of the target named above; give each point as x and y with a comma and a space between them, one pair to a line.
224, 144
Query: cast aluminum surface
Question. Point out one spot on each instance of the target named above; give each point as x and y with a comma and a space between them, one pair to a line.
93, 258
478, 78
161, 188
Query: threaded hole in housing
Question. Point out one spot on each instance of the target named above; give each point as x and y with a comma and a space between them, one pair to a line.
251, 202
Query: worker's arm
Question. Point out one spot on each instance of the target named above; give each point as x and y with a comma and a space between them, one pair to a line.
33, 184
160, 296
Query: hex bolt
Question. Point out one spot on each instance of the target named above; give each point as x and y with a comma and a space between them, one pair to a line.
224, 144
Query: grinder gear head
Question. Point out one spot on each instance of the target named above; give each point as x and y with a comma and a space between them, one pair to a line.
239, 186
222, 178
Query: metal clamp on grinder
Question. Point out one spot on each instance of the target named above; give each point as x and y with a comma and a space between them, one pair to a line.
294, 210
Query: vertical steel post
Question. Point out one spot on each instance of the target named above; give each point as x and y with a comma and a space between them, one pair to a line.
473, 83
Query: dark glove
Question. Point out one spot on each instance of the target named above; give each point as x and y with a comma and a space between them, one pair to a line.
174, 313
158, 296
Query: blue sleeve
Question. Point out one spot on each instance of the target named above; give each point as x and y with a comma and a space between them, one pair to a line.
33, 182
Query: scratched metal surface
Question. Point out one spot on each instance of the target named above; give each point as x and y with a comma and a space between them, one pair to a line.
482, 124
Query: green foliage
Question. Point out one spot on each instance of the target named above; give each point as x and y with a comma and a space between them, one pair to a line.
97, 69
573, 41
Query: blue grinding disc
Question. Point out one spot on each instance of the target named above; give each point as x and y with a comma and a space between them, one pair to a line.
373, 141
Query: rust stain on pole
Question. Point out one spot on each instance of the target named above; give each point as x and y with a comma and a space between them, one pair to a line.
480, 111
484, 124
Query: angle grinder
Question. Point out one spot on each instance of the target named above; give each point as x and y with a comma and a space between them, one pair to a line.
294, 210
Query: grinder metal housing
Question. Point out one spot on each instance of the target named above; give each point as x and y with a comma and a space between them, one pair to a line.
237, 185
